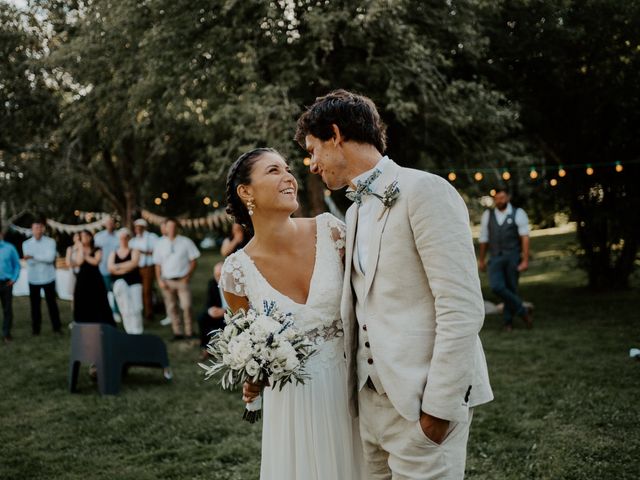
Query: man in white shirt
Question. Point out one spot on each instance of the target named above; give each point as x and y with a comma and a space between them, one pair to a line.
40, 253
108, 241
175, 260
145, 241
504, 232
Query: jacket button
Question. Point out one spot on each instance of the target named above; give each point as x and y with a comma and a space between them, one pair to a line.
370, 361
366, 344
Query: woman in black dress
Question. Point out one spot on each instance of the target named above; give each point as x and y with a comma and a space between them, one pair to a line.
90, 302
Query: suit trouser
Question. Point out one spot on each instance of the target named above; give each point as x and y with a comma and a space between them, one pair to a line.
52, 306
395, 448
148, 274
6, 297
178, 291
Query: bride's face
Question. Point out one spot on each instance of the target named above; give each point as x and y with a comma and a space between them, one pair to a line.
273, 187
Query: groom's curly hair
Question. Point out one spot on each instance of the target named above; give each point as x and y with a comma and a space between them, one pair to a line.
355, 115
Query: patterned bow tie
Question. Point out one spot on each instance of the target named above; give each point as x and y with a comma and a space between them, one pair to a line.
363, 188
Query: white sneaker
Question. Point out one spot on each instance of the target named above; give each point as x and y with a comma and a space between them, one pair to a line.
634, 353
165, 321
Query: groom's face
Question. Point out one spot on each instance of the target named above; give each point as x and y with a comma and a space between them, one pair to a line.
327, 160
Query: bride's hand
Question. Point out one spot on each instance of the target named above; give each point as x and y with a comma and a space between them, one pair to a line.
251, 391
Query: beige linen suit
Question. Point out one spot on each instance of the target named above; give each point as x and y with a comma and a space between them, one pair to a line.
423, 310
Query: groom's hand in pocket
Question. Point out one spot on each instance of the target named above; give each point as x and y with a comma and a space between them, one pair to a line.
434, 428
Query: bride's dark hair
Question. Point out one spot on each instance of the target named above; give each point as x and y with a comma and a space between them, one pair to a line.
240, 174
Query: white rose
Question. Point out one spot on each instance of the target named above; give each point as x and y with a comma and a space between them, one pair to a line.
252, 368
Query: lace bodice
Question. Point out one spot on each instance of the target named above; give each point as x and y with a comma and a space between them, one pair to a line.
319, 317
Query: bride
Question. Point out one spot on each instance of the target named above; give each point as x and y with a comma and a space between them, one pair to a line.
296, 262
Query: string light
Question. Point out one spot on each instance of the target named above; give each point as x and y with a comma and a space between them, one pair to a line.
306, 161
478, 176
76, 213
562, 172
553, 182
157, 200
533, 173
506, 175
492, 192
619, 167
452, 176
206, 200
164, 195
215, 204
589, 170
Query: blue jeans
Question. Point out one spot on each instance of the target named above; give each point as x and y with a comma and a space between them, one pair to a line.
503, 279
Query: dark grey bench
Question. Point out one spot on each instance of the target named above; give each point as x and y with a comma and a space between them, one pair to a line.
112, 352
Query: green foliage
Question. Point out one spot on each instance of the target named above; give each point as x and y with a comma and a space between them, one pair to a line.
573, 67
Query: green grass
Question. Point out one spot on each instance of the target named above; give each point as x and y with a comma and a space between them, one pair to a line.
566, 398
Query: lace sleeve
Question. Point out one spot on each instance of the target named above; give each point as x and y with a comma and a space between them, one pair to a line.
232, 279
338, 233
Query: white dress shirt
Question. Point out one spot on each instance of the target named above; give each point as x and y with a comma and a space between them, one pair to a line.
174, 257
144, 243
366, 213
41, 268
108, 242
520, 217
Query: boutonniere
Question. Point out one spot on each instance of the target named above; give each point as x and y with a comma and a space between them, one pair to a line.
388, 197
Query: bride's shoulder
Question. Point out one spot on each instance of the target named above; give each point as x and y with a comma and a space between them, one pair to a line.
233, 277
331, 220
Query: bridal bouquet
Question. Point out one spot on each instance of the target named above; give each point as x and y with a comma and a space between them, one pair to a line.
258, 347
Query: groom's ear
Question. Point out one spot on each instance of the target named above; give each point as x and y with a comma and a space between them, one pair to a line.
337, 135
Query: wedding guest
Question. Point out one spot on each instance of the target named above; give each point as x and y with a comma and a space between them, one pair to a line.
144, 241
40, 253
69, 258
127, 282
107, 241
166, 321
235, 241
212, 317
9, 273
175, 260
91, 304
504, 232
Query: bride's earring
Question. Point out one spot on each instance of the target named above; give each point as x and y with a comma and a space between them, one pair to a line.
250, 206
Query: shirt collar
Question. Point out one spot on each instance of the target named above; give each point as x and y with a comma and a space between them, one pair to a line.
363, 176
506, 211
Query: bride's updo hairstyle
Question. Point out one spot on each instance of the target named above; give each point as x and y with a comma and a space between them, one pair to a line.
240, 174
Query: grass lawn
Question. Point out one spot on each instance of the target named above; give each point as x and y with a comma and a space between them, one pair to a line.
566, 398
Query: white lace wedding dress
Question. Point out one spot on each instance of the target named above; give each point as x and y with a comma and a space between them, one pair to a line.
307, 431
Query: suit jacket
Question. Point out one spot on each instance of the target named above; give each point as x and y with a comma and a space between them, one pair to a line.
423, 301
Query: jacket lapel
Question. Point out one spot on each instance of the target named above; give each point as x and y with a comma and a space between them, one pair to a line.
389, 174
351, 219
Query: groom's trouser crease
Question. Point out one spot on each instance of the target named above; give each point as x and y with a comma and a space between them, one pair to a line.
397, 449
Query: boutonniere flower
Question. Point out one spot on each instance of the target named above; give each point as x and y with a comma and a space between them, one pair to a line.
388, 197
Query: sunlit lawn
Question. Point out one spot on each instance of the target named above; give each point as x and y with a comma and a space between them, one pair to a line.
566, 398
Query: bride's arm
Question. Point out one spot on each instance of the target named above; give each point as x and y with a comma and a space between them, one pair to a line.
236, 302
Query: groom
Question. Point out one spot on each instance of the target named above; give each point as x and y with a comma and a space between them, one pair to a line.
411, 304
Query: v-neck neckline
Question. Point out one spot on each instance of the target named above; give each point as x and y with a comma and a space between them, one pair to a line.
313, 274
